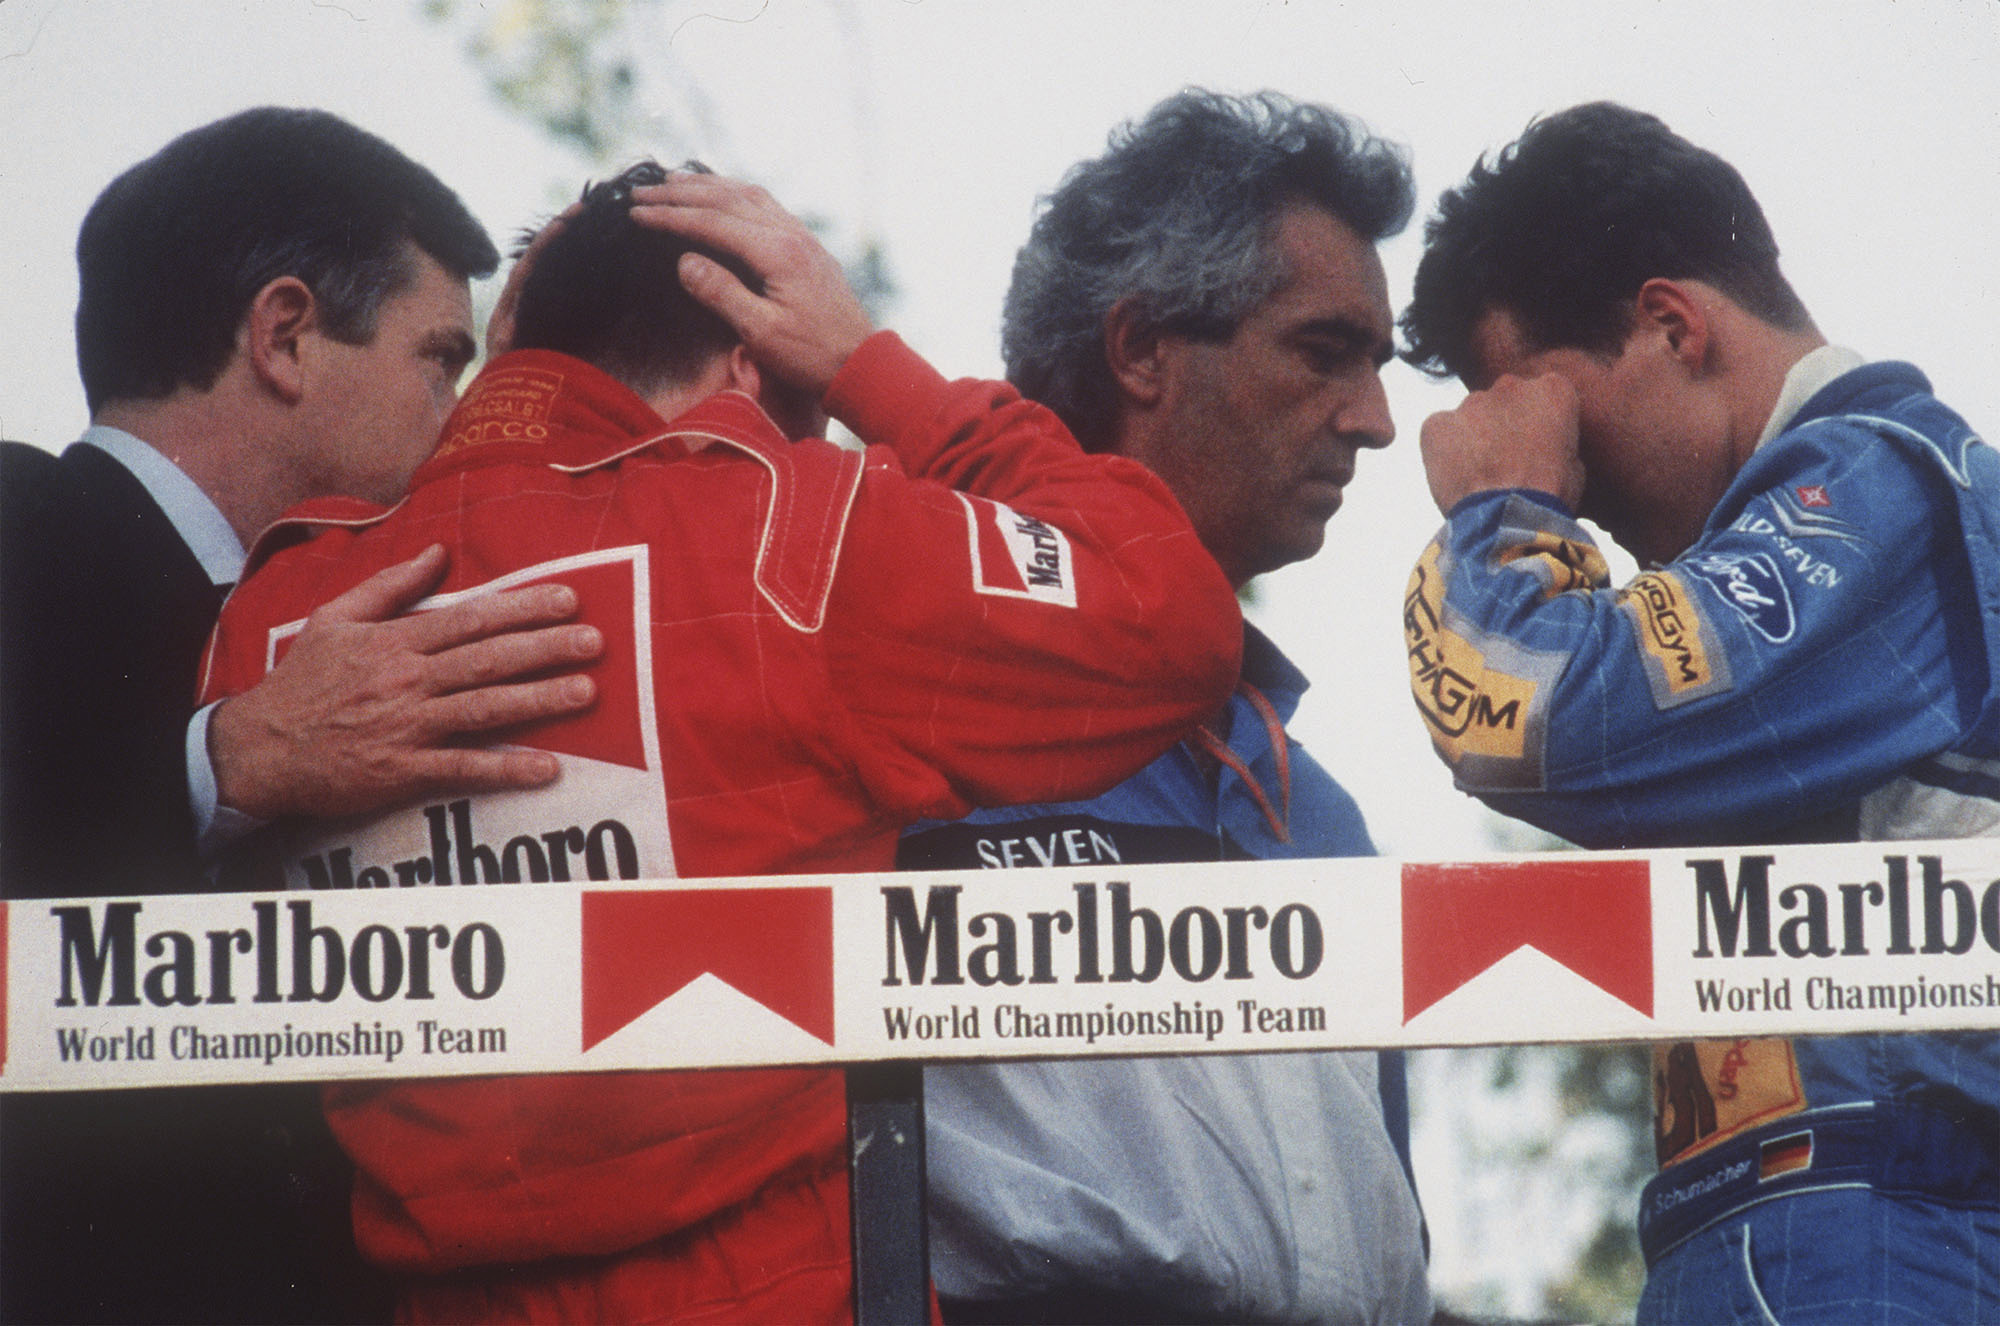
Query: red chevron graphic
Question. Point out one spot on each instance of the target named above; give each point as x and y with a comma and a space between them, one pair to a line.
1593, 917
774, 945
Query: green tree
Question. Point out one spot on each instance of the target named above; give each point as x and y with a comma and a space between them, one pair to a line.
601, 77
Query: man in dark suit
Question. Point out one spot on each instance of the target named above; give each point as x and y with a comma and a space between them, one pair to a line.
274, 307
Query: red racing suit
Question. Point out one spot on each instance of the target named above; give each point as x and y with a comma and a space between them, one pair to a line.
806, 649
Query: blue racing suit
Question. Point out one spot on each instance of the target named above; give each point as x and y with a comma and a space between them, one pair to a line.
1819, 665
1237, 1188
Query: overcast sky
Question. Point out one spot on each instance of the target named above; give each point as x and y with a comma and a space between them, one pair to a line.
1870, 129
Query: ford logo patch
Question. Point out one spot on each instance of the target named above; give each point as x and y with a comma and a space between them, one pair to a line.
1751, 584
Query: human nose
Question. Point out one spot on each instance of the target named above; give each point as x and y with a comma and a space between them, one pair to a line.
1364, 417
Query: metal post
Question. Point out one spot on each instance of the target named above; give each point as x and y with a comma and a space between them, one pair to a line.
885, 1138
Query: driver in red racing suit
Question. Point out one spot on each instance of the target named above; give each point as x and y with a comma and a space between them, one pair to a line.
806, 649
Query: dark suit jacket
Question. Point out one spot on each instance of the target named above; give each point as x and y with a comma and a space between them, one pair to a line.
103, 616
189, 1204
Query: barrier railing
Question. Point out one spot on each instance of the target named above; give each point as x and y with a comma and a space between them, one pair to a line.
900, 969
1192, 959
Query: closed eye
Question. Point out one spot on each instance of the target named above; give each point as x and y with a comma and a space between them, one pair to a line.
1334, 357
452, 351
1335, 345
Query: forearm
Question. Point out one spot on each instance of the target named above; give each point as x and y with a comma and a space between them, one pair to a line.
1721, 697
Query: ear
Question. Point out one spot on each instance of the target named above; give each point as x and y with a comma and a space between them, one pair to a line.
280, 317
795, 410
1135, 352
740, 373
1676, 313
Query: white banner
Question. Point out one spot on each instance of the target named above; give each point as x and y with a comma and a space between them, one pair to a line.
1212, 958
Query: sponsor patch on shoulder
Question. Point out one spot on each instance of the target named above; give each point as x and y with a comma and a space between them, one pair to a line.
1682, 663
1477, 710
1752, 584
1814, 494
1017, 556
1562, 565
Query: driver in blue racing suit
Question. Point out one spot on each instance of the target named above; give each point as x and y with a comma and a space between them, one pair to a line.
1810, 655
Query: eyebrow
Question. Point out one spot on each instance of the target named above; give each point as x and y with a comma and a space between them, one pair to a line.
1381, 349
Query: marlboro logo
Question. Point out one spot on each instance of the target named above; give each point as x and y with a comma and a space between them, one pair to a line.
1593, 917
1017, 556
772, 945
605, 818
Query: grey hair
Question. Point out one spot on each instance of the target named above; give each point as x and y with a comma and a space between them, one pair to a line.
1177, 215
